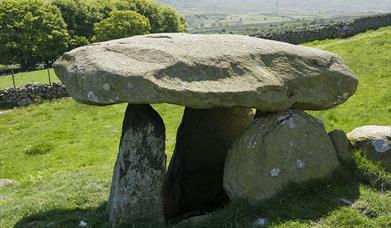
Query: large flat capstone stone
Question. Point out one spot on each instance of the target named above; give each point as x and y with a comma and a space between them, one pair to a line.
205, 71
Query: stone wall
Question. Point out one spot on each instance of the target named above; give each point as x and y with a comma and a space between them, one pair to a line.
328, 31
31, 93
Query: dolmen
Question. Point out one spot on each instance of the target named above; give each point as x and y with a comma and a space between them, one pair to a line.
223, 151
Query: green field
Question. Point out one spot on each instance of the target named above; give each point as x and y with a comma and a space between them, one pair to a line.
248, 23
196, 21
62, 155
21, 78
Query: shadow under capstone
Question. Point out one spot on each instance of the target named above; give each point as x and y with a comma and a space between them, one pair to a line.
194, 180
309, 201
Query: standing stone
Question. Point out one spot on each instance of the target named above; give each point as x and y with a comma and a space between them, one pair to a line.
374, 142
342, 145
139, 170
275, 150
194, 181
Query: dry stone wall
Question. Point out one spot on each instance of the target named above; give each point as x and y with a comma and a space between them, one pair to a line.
328, 31
31, 93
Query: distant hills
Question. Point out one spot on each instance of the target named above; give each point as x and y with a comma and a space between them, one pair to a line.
328, 7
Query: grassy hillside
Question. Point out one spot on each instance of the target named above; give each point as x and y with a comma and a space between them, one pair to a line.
281, 6
62, 155
369, 56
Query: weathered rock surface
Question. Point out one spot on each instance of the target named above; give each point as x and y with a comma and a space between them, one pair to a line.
205, 71
342, 145
139, 170
275, 150
374, 142
194, 181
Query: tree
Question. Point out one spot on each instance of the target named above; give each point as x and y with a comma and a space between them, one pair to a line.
80, 17
162, 18
172, 21
32, 31
121, 24
53, 38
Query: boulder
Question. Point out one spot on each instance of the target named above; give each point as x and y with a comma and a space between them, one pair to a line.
342, 145
374, 142
139, 170
194, 180
206, 71
275, 150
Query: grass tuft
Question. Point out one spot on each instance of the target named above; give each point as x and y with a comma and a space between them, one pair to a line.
372, 173
39, 149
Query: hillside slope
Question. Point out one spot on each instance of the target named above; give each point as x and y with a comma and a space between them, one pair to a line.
271, 6
369, 56
62, 155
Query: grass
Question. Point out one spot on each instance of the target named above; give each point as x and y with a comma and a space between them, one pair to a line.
368, 55
62, 154
21, 78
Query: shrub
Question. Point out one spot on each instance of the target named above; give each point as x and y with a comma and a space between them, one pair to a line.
162, 18
121, 24
80, 17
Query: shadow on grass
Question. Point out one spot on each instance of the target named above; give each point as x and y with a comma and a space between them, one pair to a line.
94, 217
306, 203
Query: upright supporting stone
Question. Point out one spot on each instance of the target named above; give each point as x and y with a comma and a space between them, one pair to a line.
139, 170
276, 150
194, 181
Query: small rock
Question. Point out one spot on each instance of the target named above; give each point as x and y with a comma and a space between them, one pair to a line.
345, 201
83, 224
362, 208
342, 145
374, 142
6, 183
50, 224
195, 220
24, 102
370, 214
261, 222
